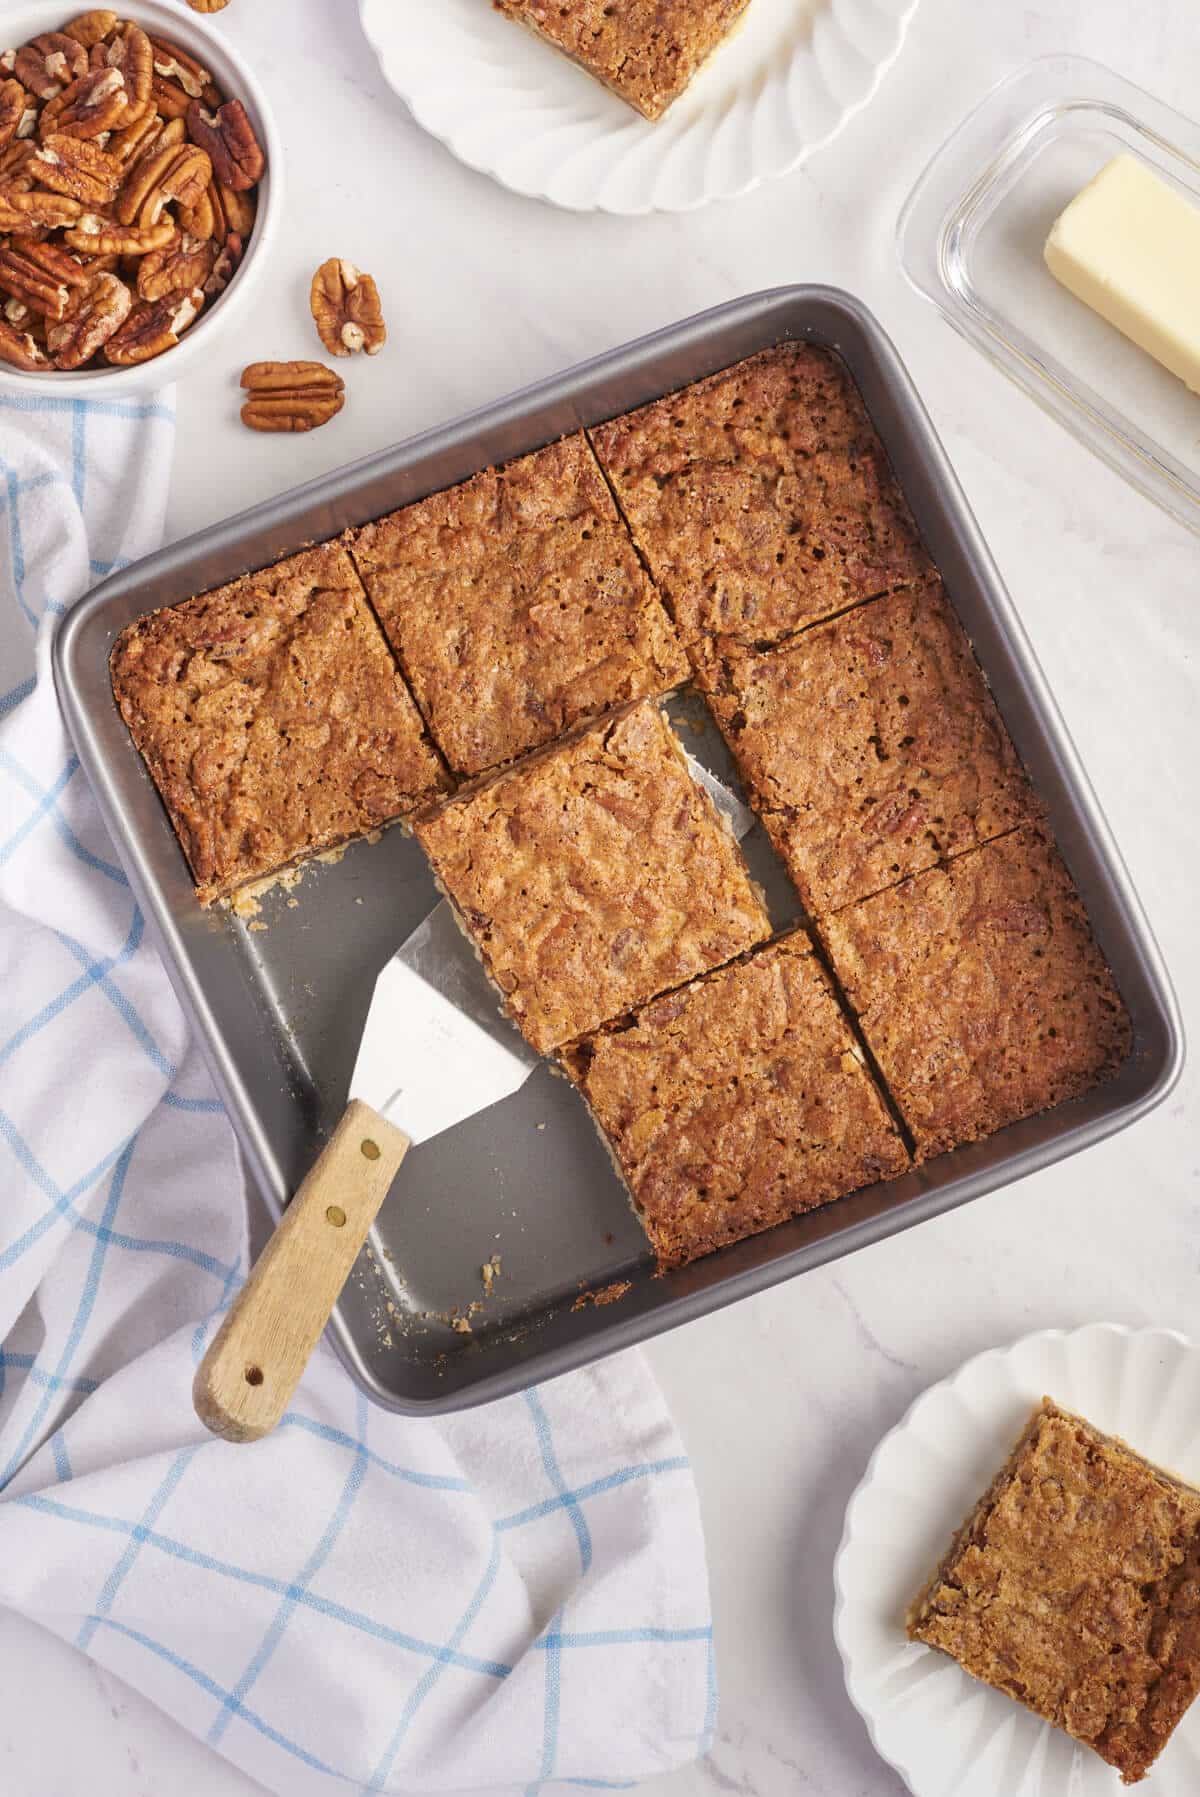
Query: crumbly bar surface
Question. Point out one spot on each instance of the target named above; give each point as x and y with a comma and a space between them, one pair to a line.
645, 50
517, 606
980, 990
761, 498
1075, 1588
272, 719
736, 1103
594, 877
870, 746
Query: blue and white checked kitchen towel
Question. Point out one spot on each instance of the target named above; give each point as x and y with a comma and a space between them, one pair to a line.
499, 1601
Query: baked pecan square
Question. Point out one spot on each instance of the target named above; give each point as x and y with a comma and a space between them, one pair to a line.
518, 606
272, 719
593, 877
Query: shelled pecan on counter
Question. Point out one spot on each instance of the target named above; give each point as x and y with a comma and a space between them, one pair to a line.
291, 396
346, 309
127, 194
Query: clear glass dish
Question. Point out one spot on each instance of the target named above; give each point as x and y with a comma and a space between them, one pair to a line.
971, 237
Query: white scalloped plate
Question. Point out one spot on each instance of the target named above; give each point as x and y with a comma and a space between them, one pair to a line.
946, 1734
505, 103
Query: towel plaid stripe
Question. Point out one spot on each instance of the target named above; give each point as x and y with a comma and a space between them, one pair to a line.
507, 1600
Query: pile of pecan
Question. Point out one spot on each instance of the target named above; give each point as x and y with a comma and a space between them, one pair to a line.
126, 194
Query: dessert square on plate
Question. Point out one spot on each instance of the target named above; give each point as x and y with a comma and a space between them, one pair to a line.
645, 50
980, 990
594, 877
870, 747
272, 719
1074, 1586
518, 606
737, 1102
761, 497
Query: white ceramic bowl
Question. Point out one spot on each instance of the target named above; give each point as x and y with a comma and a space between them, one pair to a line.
946, 1734
25, 19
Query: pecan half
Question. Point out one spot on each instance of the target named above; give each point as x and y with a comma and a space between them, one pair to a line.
225, 266
237, 207
219, 212
291, 396
14, 167
34, 287
345, 305
228, 137
176, 68
152, 327
89, 107
178, 268
102, 309
49, 63
208, 5
169, 99
132, 141
147, 174
19, 350
60, 263
185, 182
33, 324
36, 210
18, 115
203, 219
77, 167
92, 27
130, 52
96, 236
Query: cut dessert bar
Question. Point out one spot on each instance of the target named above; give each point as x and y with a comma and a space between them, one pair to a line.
870, 746
517, 606
761, 498
980, 990
737, 1102
272, 719
594, 877
1073, 1587
645, 50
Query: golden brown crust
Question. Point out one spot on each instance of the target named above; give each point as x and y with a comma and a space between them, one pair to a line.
736, 1103
518, 606
594, 877
980, 990
272, 719
871, 746
645, 50
761, 498
1074, 1586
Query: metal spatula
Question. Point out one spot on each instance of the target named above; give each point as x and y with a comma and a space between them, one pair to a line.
436, 1049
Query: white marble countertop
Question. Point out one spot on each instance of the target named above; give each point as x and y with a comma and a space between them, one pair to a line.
782, 1398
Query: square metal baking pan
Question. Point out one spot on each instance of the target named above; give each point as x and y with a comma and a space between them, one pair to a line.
279, 1009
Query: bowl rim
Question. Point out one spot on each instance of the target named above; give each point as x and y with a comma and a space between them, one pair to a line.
235, 76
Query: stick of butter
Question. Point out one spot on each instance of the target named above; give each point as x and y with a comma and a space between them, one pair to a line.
1129, 247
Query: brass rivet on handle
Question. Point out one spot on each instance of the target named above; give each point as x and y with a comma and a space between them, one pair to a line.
336, 1215
370, 1149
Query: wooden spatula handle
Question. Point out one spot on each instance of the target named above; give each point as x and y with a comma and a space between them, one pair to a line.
243, 1384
